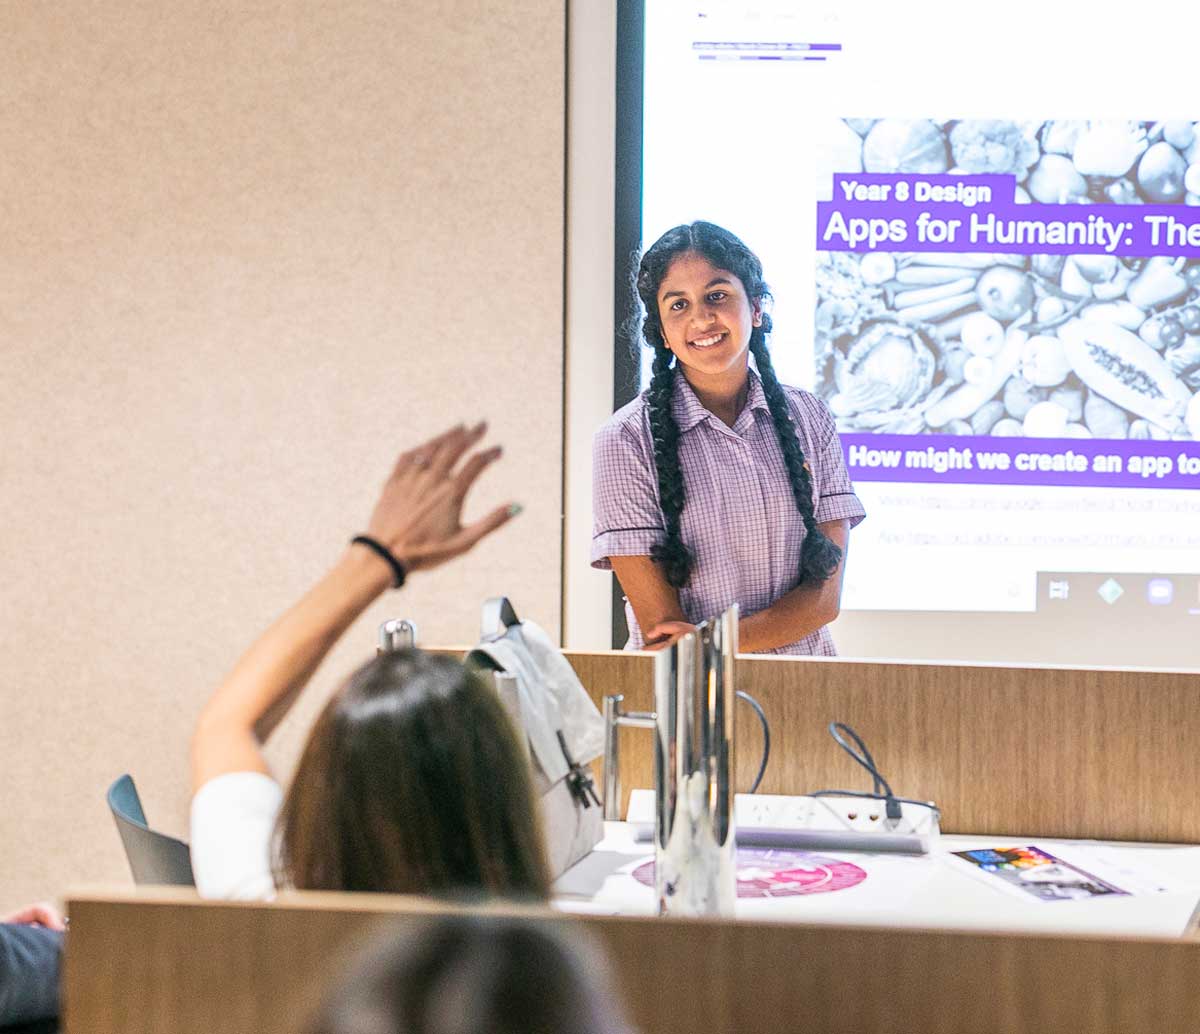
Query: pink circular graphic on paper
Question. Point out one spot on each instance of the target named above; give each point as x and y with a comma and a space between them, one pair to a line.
771, 873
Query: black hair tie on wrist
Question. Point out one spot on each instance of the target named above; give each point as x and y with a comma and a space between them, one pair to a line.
383, 553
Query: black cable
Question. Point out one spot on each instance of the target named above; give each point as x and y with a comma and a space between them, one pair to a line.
880, 784
882, 789
766, 728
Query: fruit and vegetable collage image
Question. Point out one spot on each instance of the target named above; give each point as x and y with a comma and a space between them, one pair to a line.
1081, 322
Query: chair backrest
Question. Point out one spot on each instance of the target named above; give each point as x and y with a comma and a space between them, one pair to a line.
154, 857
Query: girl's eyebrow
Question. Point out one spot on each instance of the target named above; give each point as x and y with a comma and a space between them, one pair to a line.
711, 284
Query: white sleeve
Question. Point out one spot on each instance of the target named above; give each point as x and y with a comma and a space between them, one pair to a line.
233, 820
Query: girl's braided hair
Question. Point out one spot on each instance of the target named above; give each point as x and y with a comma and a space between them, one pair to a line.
819, 557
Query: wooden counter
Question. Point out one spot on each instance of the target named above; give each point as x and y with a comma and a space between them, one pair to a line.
1103, 753
165, 962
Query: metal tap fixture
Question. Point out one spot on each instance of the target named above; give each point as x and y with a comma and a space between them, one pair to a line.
614, 718
397, 634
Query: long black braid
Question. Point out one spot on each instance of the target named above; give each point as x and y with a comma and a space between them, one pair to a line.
820, 556
673, 555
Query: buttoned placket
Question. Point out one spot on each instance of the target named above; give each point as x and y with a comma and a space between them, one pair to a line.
750, 512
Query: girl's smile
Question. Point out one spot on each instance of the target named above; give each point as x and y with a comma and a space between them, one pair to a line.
709, 341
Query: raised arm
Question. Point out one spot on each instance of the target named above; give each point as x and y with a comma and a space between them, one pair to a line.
418, 518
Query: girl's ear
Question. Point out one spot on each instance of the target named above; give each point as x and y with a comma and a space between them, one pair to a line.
756, 313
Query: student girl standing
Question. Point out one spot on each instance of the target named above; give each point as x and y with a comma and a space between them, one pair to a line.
718, 485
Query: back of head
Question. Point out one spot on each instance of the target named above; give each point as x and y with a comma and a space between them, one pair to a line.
460, 974
413, 782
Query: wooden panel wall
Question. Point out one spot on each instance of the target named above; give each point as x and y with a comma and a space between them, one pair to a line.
169, 964
1094, 753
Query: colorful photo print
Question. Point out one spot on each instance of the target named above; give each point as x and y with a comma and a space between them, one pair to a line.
1039, 874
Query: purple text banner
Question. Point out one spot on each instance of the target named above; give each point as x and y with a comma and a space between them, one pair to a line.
949, 213
983, 460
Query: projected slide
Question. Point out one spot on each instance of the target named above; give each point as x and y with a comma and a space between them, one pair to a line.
982, 286
997, 293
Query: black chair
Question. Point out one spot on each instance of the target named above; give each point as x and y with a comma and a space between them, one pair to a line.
153, 857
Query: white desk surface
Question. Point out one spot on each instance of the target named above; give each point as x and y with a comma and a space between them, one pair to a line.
934, 890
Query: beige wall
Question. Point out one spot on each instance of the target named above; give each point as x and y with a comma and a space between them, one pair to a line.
248, 250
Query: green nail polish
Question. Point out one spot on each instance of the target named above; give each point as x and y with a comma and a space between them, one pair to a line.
514, 509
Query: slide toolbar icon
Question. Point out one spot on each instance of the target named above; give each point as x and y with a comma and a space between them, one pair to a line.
1111, 591
1160, 591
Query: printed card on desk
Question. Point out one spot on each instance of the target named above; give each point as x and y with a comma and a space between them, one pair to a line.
1034, 873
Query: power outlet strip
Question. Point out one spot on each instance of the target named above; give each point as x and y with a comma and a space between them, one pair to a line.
849, 823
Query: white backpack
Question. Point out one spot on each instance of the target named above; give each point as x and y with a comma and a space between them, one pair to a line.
562, 728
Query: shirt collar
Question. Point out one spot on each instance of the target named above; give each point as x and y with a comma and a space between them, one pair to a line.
689, 411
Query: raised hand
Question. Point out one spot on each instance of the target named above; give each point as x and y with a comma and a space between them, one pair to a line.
419, 512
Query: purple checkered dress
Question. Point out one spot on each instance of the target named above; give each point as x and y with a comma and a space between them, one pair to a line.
739, 520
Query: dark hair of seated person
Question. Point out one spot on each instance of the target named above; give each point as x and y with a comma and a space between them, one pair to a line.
413, 782
464, 974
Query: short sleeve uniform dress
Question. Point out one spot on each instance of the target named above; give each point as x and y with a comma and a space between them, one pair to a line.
739, 519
